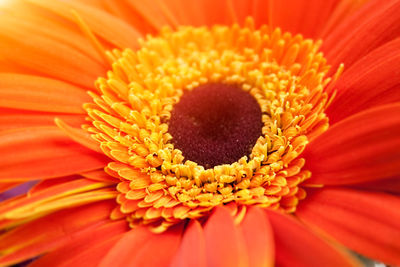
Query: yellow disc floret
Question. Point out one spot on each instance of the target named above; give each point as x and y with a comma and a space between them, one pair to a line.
285, 74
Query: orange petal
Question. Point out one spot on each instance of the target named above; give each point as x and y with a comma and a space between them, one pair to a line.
45, 193
110, 28
361, 148
370, 82
40, 94
386, 185
296, 245
366, 222
82, 245
192, 250
259, 238
17, 118
43, 152
47, 56
150, 12
299, 16
50, 232
372, 26
79, 135
198, 13
100, 175
137, 247
124, 11
26, 18
224, 241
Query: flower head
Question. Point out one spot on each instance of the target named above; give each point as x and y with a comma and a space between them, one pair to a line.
214, 134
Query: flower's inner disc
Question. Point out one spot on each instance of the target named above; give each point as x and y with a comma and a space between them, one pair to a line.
215, 124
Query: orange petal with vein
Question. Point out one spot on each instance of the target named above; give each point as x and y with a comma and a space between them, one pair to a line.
370, 82
348, 43
361, 148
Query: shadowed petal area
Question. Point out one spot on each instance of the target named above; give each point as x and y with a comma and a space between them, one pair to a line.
259, 238
50, 232
26, 149
295, 245
353, 38
85, 248
367, 222
224, 241
192, 250
361, 148
372, 81
140, 247
386, 185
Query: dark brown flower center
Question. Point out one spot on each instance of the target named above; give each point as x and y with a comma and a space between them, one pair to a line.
215, 124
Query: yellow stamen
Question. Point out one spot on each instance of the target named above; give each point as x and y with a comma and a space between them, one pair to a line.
285, 74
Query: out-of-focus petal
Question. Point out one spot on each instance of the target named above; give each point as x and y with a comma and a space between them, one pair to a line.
295, 245
367, 222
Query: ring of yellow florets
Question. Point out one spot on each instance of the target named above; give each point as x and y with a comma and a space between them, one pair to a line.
284, 73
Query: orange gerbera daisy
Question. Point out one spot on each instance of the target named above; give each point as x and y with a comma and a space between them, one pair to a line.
200, 133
